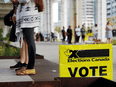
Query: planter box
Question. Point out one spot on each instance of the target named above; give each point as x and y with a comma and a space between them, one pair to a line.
18, 57
85, 82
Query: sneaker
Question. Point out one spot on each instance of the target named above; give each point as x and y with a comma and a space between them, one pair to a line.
23, 65
17, 66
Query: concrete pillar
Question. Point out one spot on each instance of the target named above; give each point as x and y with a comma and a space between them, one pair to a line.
50, 1
68, 13
45, 17
64, 14
79, 12
101, 19
51, 26
72, 9
41, 22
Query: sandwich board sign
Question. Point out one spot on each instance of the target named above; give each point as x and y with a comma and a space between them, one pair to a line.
92, 60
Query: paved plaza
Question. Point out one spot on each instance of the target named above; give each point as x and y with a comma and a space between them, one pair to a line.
50, 51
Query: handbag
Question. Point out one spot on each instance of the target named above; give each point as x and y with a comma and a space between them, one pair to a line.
7, 18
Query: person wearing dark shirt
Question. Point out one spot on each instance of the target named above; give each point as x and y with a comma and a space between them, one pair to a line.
52, 36
63, 35
69, 32
83, 33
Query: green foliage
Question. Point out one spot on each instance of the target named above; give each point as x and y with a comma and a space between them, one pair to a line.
58, 29
6, 49
113, 42
7, 36
1, 33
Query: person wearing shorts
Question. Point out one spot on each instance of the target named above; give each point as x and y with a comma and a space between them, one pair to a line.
95, 33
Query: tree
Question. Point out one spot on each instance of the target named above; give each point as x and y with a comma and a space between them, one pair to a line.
58, 29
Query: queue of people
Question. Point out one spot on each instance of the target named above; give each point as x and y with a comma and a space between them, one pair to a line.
80, 32
41, 37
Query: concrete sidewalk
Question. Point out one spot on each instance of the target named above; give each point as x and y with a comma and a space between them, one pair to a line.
8, 75
50, 50
51, 53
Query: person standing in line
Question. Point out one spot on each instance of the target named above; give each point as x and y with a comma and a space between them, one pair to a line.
77, 34
83, 34
95, 33
69, 32
63, 35
28, 9
38, 37
109, 32
10, 20
52, 36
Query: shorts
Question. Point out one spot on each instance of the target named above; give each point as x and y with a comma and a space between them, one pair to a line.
83, 36
95, 36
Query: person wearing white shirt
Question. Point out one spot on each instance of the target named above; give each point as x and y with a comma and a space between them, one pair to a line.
77, 34
27, 18
95, 33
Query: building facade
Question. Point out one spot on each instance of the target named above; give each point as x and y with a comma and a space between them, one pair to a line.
88, 13
56, 24
68, 13
95, 11
59, 10
111, 8
111, 11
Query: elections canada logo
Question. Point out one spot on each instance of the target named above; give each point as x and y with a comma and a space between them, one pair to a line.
93, 55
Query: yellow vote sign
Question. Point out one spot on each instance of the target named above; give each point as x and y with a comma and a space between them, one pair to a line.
86, 61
